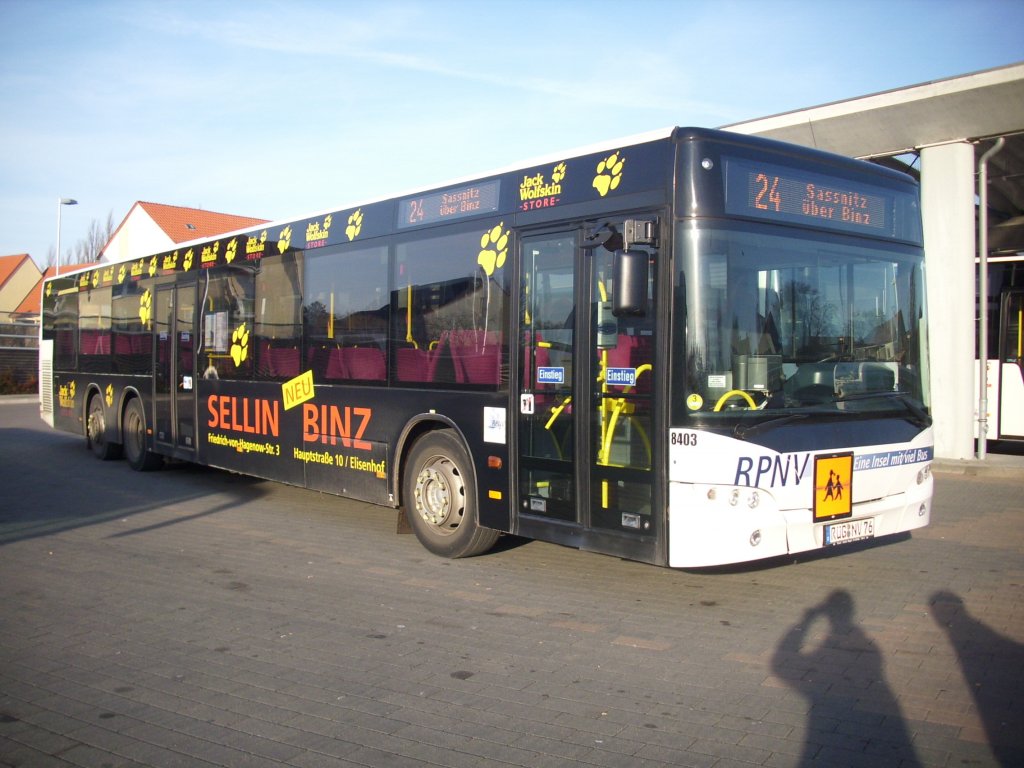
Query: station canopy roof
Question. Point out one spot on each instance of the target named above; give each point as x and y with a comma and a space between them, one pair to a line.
887, 127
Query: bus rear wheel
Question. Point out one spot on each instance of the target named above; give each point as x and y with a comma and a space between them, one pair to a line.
134, 438
96, 432
440, 497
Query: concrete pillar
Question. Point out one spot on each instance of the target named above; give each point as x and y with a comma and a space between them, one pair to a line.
947, 207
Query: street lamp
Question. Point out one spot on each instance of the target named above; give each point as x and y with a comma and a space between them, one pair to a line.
61, 201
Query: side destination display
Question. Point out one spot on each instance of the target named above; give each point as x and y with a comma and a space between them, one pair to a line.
470, 200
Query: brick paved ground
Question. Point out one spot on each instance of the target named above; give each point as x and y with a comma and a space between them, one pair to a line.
195, 618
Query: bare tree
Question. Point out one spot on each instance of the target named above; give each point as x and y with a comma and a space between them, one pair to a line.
89, 248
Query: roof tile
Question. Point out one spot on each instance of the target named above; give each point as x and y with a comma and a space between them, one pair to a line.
182, 224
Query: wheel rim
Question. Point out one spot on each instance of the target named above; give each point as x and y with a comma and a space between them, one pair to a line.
440, 495
96, 426
133, 433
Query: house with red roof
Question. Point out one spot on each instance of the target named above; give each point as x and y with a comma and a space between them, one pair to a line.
147, 229
153, 227
19, 276
30, 307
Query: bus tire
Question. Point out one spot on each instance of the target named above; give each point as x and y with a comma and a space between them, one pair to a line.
440, 497
134, 439
96, 432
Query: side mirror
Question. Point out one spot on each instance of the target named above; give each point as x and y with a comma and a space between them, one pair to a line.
630, 275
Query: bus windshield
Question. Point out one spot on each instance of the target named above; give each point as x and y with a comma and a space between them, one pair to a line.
800, 323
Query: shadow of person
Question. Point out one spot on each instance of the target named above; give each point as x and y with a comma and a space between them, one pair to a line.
842, 679
993, 668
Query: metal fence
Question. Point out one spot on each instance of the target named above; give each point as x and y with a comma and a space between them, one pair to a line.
19, 336
19, 357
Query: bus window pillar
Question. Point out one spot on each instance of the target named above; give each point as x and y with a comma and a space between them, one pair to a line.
947, 209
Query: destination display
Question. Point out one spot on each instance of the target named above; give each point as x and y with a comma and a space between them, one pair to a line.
795, 196
450, 204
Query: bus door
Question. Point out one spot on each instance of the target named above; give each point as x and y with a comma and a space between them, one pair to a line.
174, 392
1011, 366
585, 394
547, 387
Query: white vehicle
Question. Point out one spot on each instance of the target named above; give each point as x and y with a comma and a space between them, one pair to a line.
1005, 361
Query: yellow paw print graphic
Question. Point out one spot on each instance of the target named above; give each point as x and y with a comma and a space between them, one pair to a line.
231, 251
152, 266
284, 239
240, 344
95, 278
558, 173
609, 173
71, 390
146, 309
110, 395
49, 290
186, 263
493, 249
122, 273
355, 223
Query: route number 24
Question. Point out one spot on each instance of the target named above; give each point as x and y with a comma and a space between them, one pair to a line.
767, 193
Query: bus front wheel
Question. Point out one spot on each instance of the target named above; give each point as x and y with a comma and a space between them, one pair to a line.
139, 457
440, 497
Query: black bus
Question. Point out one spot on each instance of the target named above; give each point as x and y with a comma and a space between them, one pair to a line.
687, 348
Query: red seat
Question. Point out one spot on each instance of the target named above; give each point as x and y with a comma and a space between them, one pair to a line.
419, 365
95, 343
476, 355
336, 365
142, 343
482, 367
366, 363
284, 362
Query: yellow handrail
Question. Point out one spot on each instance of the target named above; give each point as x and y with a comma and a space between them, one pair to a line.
731, 393
408, 318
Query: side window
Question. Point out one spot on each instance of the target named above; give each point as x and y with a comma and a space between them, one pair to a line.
278, 324
132, 343
346, 313
449, 308
94, 330
228, 337
65, 331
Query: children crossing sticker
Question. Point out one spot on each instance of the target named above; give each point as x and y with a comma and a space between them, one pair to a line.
833, 491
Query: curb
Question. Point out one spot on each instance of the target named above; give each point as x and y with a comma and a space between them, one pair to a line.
18, 399
997, 466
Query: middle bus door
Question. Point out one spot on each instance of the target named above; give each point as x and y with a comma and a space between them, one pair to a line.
174, 394
547, 386
585, 401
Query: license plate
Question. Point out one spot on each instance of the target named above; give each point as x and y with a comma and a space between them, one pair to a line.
849, 530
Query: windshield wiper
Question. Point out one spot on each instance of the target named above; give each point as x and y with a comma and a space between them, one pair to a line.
920, 418
741, 431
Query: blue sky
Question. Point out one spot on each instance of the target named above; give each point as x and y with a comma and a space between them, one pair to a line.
279, 109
